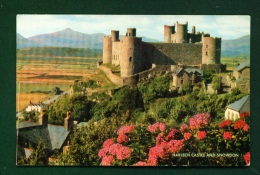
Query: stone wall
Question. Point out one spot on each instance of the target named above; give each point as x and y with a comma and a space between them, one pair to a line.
172, 54
146, 75
111, 76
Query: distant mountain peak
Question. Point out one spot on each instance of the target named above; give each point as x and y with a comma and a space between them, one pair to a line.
68, 29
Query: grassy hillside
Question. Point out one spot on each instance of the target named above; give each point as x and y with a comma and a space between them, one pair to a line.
59, 52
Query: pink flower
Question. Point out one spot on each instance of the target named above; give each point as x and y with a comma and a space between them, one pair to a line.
171, 134
122, 138
157, 151
184, 127
157, 126
159, 139
108, 143
140, 163
126, 129
107, 160
123, 152
161, 127
246, 127
201, 135
199, 120
174, 146
114, 148
187, 135
152, 160
247, 158
227, 135
103, 152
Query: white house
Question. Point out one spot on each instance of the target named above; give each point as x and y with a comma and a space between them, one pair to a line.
35, 107
234, 110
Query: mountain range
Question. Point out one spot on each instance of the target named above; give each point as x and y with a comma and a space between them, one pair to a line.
74, 39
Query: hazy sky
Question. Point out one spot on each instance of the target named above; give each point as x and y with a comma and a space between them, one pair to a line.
151, 26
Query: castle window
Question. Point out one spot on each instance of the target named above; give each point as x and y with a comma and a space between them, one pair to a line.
130, 59
206, 46
206, 53
181, 81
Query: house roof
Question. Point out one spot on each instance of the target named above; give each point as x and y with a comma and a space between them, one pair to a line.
58, 135
188, 70
52, 135
177, 71
26, 124
242, 66
242, 105
193, 70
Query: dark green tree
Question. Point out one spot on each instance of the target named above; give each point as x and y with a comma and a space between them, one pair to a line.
78, 104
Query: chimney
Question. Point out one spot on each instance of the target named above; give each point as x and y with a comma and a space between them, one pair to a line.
43, 118
68, 122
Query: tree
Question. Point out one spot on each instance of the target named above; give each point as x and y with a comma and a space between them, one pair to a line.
207, 76
216, 82
38, 156
56, 91
31, 115
157, 88
78, 104
185, 88
86, 142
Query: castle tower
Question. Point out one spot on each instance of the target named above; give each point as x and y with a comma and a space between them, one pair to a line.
168, 31
193, 30
43, 118
130, 60
107, 50
68, 122
181, 35
211, 49
114, 35
131, 32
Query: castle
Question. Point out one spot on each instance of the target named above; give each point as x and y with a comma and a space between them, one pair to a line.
179, 48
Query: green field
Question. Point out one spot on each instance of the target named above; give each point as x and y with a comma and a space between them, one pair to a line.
232, 62
60, 51
28, 87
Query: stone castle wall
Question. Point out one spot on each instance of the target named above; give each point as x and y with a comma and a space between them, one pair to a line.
112, 77
172, 53
147, 74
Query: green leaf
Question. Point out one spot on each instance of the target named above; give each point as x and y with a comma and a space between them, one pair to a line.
238, 144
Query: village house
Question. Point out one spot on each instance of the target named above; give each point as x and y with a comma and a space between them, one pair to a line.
54, 137
183, 76
234, 110
241, 77
35, 106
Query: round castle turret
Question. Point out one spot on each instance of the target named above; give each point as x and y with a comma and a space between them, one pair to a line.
130, 60
131, 32
181, 35
211, 50
107, 50
107, 46
114, 35
168, 31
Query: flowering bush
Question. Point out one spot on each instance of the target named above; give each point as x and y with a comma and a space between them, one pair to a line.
247, 158
225, 123
199, 120
195, 143
227, 135
155, 127
201, 135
